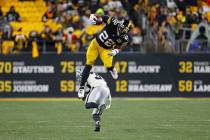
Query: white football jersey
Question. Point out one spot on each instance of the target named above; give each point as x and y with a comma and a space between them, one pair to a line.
95, 80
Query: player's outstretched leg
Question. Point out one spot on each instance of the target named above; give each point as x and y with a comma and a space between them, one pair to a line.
85, 75
97, 120
97, 112
113, 72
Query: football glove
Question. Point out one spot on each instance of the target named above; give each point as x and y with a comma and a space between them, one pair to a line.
93, 18
114, 52
81, 92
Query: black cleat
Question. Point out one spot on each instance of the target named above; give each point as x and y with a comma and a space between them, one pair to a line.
97, 126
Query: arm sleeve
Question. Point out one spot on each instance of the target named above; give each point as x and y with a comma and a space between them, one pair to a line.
105, 18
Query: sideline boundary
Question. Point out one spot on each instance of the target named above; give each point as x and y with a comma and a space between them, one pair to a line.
114, 98
39, 99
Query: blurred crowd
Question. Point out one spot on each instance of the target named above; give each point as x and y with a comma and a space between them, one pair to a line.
165, 26
179, 25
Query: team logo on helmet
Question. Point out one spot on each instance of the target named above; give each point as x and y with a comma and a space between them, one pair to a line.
124, 26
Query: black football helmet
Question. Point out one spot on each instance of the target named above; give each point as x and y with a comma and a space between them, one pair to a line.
124, 26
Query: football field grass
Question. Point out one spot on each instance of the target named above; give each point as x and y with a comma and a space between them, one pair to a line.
127, 119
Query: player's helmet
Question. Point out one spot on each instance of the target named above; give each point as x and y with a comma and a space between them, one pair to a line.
124, 26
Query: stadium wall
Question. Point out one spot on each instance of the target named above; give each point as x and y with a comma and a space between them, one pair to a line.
140, 75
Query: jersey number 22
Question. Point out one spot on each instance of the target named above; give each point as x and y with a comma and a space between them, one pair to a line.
104, 37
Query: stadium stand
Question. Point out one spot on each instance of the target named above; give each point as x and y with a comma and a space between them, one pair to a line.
164, 26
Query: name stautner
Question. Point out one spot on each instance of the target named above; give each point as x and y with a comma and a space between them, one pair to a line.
150, 88
33, 69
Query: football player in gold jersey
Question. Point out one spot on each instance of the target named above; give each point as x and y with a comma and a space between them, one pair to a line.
106, 44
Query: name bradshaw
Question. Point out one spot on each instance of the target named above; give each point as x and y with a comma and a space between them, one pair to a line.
150, 88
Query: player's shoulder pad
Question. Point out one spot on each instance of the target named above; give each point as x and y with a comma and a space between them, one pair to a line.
113, 20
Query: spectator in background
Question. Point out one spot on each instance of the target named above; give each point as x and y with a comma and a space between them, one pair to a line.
50, 13
76, 22
70, 39
161, 17
46, 38
153, 35
12, 15
135, 16
92, 4
153, 13
181, 4
62, 6
7, 32
115, 4
1, 13
165, 45
200, 44
65, 19
59, 38
85, 18
34, 41
192, 18
136, 39
33, 36
20, 41
115, 8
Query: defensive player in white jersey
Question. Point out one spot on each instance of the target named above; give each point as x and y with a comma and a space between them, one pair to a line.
96, 97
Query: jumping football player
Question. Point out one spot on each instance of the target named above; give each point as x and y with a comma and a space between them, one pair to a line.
96, 97
106, 44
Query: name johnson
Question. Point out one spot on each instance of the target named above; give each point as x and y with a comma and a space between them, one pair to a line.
30, 88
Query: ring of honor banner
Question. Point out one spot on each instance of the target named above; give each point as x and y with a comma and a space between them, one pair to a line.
140, 75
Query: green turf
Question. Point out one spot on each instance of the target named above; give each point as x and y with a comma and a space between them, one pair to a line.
126, 120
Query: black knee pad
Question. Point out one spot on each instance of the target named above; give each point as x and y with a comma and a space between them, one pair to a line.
91, 105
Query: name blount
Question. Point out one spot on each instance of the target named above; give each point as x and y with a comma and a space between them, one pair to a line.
150, 88
144, 69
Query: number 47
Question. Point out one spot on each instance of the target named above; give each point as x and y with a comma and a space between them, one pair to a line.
121, 66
